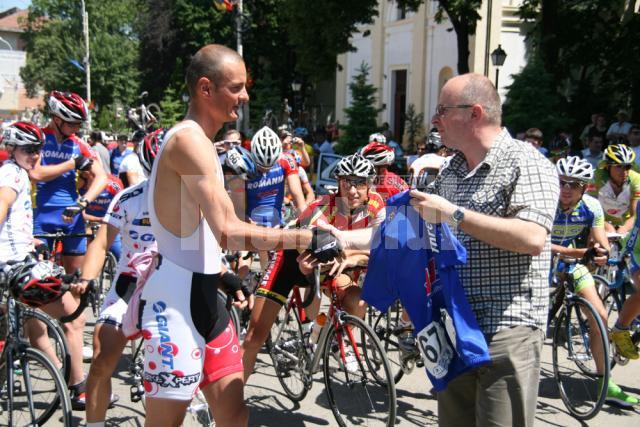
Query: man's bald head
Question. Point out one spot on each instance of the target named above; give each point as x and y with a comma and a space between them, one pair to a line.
209, 62
477, 89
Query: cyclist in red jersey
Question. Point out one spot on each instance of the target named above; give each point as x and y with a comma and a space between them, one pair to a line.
355, 206
382, 156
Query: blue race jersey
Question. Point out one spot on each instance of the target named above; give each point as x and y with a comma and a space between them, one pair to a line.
116, 159
265, 193
415, 262
60, 191
98, 207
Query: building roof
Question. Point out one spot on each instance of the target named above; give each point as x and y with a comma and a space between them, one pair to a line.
11, 20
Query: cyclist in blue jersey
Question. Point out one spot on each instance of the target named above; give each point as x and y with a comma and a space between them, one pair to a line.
57, 200
265, 193
118, 153
97, 209
580, 216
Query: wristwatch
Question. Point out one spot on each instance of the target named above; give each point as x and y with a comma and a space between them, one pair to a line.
457, 217
83, 201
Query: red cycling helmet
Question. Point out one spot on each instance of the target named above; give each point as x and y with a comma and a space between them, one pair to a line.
69, 106
23, 134
37, 284
148, 149
378, 154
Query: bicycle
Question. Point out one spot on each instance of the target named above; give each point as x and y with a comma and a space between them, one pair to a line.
31, 386
143, 117
388, 330
198, 408
363, 390
105, 279
582, 390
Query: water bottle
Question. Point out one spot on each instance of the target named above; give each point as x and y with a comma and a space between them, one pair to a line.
321, 319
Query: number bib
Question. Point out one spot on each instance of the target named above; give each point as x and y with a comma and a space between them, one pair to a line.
435, 349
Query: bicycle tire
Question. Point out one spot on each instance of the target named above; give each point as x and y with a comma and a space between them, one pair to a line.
383, 325
60, 403
56, 333
286, 333
105, 281
583, 399
376, 405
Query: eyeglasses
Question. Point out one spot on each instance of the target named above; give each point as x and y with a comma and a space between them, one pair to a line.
441, 109
625, 167
574, 185
359, 183
30, 149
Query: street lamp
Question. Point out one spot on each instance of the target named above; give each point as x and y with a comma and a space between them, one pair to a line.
296, 86
498, 57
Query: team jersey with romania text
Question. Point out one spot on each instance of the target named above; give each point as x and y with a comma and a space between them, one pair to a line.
326, 209
615, 207
98, 207
389, 184
567, 227
266, 193
428, 287
128, 212
60, 191
16, 232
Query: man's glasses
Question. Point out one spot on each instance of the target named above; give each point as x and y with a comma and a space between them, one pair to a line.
441, 108
359, 183
625, 167
574, 185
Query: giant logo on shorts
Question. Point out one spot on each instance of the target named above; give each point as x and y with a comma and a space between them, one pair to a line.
170, 379
167, 349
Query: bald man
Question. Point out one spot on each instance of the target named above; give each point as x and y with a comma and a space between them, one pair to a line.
190, 341
500, 197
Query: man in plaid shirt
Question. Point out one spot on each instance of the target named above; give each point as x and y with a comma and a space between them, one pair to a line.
500, 196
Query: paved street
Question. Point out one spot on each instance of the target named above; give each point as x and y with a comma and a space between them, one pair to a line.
416, 405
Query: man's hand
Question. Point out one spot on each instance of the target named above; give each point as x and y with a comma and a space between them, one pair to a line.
432, 208
71, 211
83, 163
79, 288
601, 255
324, 246
243, 298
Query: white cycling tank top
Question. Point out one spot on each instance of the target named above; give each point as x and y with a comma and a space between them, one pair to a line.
200, 252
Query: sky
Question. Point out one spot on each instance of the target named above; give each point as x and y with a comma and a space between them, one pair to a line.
8, 4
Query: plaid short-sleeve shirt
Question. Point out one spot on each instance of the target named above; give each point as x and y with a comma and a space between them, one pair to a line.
514, 180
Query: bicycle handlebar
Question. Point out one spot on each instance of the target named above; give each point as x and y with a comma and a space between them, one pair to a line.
84, 298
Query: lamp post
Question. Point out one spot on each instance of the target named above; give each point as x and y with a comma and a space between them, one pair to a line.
498, 57
296, 86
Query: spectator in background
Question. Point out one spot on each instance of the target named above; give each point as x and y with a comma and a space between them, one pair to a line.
326, 146
118, 154
397, 149
534, 137
421, 150
618, 131
231, 138
584, 135
595, 144
96, 141
131, 172
633, 137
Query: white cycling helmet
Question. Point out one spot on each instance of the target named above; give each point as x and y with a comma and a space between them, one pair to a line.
354, 165
575, 167
377, 137
69, 106
266, 147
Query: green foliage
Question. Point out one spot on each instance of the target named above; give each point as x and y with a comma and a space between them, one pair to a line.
590, 48
320, 30
106, 118
415, 125
54, 36
534, 102
172, 108
361, 115
265, 96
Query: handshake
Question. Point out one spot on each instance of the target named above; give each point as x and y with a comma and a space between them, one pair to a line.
324, 246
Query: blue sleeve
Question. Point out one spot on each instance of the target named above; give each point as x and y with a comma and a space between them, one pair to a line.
451, 250
378, 289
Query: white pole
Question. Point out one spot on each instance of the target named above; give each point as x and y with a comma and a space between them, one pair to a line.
243, 119
87, 63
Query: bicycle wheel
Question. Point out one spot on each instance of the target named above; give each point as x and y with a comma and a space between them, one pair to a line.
33, 382
582, 391
355, 394
107, 275
200, 412
56, 337
384, 326
289, 354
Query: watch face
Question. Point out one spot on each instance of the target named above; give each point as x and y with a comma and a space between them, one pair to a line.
458, 215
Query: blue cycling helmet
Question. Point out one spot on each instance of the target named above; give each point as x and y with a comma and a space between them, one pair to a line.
240, 161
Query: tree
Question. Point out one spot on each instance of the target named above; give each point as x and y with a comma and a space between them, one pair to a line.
533, 101
590, 48
53, 37
172, 109
415, 125
361, 115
